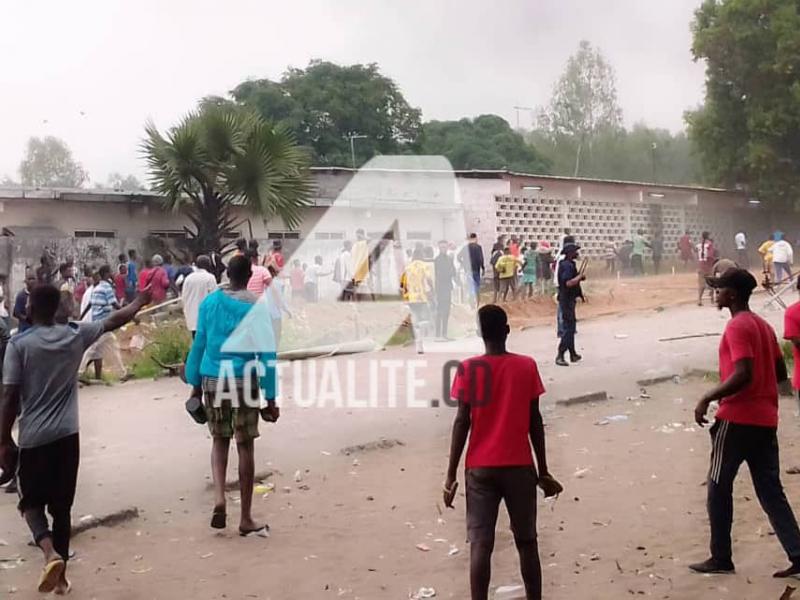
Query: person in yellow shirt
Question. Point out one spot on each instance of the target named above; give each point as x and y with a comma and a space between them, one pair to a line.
416, 284
506, 267
765, 250
360, 258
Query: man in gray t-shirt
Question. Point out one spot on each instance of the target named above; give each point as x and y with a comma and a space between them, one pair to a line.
44, 362
40, 380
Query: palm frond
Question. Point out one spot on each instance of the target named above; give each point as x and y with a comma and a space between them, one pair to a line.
220, 157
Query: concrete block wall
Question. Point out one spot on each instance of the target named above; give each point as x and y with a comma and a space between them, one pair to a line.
594, 221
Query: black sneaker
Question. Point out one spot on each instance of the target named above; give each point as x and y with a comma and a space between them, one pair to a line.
712, 565
792, 571
575, 357
561, 362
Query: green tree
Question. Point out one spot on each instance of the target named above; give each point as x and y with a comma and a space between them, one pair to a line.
48, 162
584, 103
486, 142
639, 154
219, 157
748, 130
325, 104
129, 183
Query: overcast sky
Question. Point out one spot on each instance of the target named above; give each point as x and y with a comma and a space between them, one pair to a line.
121, 62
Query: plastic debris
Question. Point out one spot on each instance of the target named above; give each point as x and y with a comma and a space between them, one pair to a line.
423, 592
325, 453
264, 488
620, 336
298, 476
612, 419
3, 542
207, 555
453, 551
137, 342
423, 547
581, 473
508, 592
141, 571
85, 518
643, 394
355, 462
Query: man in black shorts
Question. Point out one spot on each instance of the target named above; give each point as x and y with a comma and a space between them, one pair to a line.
496, 393
40, 378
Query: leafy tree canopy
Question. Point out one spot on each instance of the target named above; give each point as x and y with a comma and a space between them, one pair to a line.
48, 162
584, 102
117, 181
486, 142
748, 130
639, 154
325, 104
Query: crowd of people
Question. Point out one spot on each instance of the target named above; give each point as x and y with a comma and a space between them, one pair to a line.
66, 322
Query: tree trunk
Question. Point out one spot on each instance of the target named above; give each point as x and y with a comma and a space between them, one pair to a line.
578, 158
210, 214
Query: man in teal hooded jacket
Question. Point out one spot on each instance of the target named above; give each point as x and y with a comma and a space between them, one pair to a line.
232, 365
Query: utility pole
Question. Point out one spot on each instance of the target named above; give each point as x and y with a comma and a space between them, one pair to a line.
653, 147
519, 108
354, 136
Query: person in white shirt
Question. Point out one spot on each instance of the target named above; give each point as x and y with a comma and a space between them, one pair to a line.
740, 240
195, 288
343, 271
782, 257
3, 302
312, 282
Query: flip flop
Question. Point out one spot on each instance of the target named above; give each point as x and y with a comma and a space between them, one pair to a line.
51, 575
218, 519
262, 532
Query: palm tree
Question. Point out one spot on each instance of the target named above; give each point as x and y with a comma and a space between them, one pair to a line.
222, 156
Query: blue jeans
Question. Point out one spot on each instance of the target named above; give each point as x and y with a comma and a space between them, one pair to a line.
476, 284
780, 269
569, 326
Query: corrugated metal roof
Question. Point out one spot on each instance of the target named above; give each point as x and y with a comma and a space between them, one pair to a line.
32, 231
501, 173
75, 194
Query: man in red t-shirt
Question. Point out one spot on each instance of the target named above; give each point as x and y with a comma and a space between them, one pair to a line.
791, 332
751, 366
498, 408
705, 265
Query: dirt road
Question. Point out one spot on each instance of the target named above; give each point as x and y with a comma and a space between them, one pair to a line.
630, 520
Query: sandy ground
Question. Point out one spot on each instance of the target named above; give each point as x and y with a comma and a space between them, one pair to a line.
631, 518
612, 296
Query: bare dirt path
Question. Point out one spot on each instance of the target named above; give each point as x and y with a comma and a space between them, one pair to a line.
353, 532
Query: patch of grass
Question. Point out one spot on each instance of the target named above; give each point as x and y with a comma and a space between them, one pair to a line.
788, 355
170, 346
404, 334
